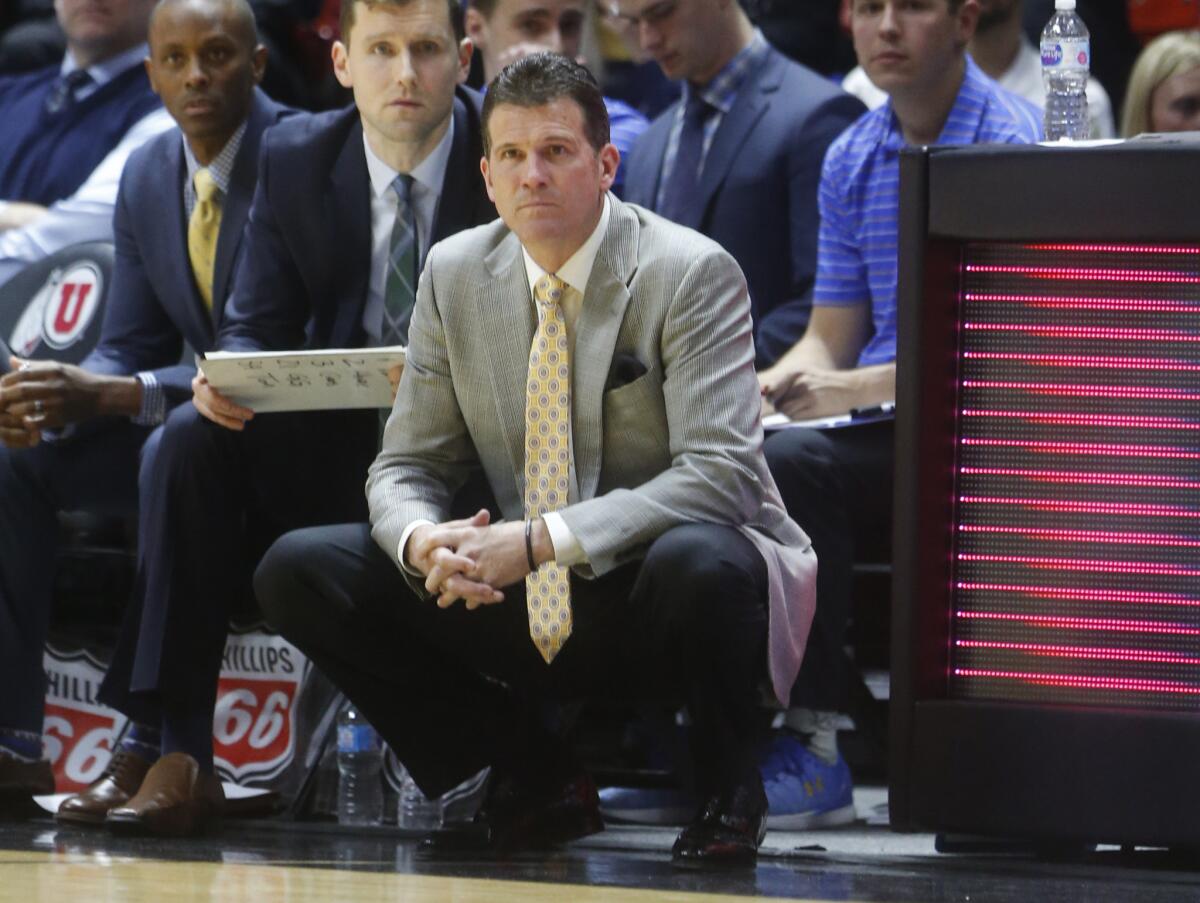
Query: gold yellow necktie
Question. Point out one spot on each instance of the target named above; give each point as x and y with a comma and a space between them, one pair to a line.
203, 228
548, 462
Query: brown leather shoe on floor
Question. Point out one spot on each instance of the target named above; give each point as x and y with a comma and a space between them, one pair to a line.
120, 781
20, 782
176, 799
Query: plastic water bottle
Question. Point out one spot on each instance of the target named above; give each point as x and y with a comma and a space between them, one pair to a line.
1066, 59
416, 811
360, 763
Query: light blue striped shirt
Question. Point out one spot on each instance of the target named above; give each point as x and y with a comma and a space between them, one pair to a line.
859, 198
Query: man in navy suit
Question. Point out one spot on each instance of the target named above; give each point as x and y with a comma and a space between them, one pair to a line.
347, 204
73, 437
739, 156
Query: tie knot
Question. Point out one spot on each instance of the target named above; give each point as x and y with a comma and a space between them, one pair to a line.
206, 186
402, 185
549, 289
697, 108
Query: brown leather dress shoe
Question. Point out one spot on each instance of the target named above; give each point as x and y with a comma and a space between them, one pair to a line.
20, 782
727, 832
120, 781
176, 799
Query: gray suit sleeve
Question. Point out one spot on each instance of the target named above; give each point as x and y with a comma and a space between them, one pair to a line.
427, 451
713, 422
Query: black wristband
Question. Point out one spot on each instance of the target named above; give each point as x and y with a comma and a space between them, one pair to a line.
529, 545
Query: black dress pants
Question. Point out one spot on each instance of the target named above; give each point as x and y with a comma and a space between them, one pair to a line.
453, 690
212, 502
837, 485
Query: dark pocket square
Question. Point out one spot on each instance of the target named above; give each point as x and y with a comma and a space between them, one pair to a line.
624, 370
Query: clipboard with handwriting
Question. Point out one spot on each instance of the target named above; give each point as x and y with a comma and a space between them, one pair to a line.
321, 380
856, 417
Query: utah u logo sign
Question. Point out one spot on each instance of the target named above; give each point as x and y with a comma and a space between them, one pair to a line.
70, 305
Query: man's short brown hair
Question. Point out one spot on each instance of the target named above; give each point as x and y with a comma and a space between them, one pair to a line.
346, 19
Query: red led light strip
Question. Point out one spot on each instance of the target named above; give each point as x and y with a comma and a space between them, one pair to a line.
1084, 477
1120, 684
1107, 274
1084, 390
1116, 249
1094, 333
1099, 653
1069, 418
1089, 448
1122, 625
1097, 536
1054, 302
1127, 509
1082, 594
1091, 565
1085, 360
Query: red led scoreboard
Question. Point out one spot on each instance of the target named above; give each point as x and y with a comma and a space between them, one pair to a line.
1046, 647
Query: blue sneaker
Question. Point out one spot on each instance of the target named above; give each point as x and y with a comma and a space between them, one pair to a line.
647, 805
803, 791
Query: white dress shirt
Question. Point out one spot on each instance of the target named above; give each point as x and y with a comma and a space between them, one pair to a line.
428, 178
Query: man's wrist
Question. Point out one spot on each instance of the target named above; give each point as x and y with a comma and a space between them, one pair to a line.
539, 537
120, 396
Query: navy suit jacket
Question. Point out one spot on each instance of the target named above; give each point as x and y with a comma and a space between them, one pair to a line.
308, 259
153, 305
758, 189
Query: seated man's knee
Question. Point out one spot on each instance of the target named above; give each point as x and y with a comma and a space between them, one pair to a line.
702, 559
279, 579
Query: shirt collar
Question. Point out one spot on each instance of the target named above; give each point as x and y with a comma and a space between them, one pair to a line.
221, 168
578, 268
430, 173
722, 91
961, 124
110, 68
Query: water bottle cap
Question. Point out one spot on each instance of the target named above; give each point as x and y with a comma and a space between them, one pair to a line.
1064, 4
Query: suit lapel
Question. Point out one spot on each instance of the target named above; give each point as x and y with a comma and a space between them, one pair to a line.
348, 213
734, 131
600, 320
506, 302
237, 202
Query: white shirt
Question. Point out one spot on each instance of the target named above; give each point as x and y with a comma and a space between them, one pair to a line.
1023, 78
428, 178
575, 272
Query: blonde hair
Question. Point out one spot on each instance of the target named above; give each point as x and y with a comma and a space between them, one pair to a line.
1166, 56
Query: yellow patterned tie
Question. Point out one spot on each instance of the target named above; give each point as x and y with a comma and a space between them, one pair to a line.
202, 233
548, 462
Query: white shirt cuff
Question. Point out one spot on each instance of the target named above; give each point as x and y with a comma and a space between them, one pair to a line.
408, 531
567, 550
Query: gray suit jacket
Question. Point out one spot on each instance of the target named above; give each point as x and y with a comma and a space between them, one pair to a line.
680, 443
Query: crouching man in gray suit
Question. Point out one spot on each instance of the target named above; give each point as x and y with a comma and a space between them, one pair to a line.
596, 362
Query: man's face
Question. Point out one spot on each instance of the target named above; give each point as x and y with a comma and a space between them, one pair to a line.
678, 34
517, 28
1175, 104
544, 177
204, 63
910, 45
100, 29
403, 62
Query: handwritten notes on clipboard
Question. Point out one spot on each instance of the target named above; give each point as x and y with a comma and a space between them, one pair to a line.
322, 380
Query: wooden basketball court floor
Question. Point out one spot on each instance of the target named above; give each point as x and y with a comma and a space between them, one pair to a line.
311, 863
